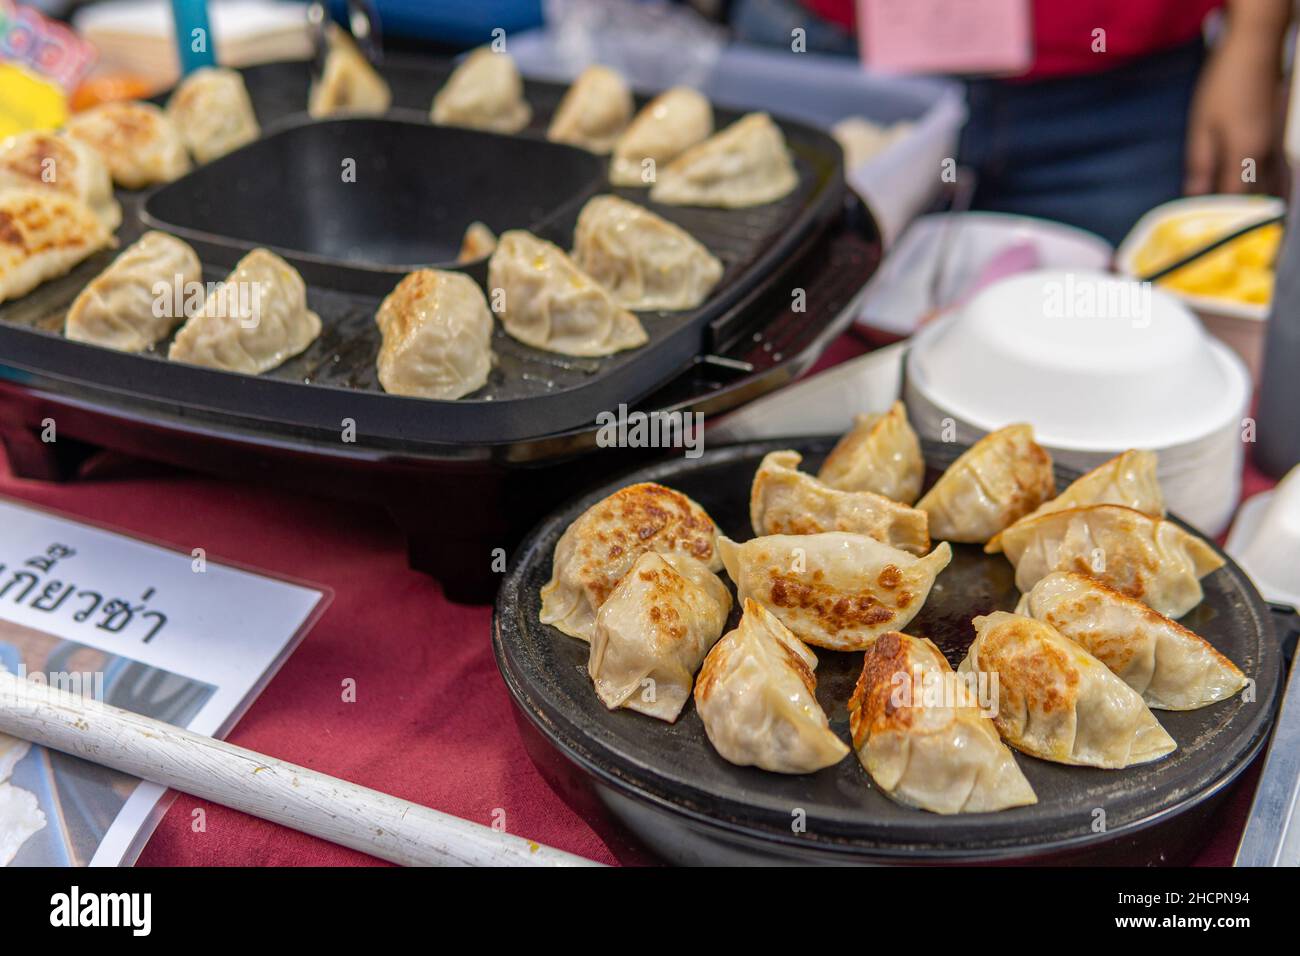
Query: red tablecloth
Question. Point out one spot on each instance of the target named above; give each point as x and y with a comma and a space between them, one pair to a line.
432, 721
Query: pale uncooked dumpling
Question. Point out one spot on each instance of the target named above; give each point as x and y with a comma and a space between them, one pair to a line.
669, 124
213, 112
1058, 702
43, 234
479, 242
38, 160
881, 453
645, 261
1001, 478
785, 500
136, 140
594, 112
1150, 559
255, 320
653, 631
1170, 666
484, 92
835, 590
603, 543
920, 734
757, 698
747, 164
348, 84
132, 304
549, 303
437, 336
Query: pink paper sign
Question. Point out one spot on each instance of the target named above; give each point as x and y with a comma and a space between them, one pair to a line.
945, 36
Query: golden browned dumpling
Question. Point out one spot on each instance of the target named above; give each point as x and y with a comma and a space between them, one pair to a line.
747, 164
666, 126
37, 160
137, 141
348, 84
594, 112
43, 234
213, 112
484, 92
479, 242
881, 453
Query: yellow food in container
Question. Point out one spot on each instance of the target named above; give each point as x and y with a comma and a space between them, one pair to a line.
1241, 271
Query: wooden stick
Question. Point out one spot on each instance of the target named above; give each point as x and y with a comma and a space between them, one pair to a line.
264, 787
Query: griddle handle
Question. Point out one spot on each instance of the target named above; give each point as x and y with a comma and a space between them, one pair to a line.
1286, 622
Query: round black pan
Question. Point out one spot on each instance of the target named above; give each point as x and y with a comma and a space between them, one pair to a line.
668, 784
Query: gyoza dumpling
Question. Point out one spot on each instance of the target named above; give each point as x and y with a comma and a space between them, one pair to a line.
1002, 477
594, 112
784, 500
666, 126
645, 262
835, 590
551, 304
484, 92
257, 319
43, 234
757, 697
747, 164
479, 242
599, 548
1146, 558
348, 84
137, 141
1128, 479
1058, 702
881, 453
926, 752
35, 160
213, 113
119, 308
653, 631
1172, 668
437, 334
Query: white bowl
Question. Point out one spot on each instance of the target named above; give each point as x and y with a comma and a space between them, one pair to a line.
1265, 540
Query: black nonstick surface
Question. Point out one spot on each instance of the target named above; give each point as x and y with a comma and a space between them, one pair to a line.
673, 768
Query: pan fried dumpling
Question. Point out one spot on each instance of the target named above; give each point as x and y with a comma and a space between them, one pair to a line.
670, 123
835, 590
653, 631
437, 333
1171, 667
43, 234
646, 262
479, 242
213, 112
1058, 702
484, 92
254, 321
137, 141
37, 160
881, 453
348, 84
1128, 479
1146, 558
600, 547
757, 697
1002, 477
784, 500
119, 309
932, 747
551, 304
747, 164
594, 112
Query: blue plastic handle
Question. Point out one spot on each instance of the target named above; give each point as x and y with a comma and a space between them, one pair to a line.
194, 43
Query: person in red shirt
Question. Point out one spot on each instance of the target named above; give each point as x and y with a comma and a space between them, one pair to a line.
1094, 137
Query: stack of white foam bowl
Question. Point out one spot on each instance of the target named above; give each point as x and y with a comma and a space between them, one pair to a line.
1097, 364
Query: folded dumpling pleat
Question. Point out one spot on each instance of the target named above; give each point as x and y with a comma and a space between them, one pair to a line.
1002, 477
437, 334
1058, 702
255, 320
138, 142
43, 234
757, 697
348, 84
747, 164
1128, 479
39, 160
835, 590
131, 305
653, 631
484, 92
1170, 666
921, 735
666, 126
594, 112
785, 500
645, 261
479, 242
212, 110
881, 453
1150, 559
549, 303
601, 545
